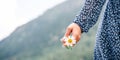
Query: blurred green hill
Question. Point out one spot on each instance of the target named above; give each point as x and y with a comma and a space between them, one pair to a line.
39, 39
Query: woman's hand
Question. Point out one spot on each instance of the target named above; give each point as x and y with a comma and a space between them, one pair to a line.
74, 30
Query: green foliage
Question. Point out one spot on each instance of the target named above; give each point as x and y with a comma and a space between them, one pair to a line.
40, 38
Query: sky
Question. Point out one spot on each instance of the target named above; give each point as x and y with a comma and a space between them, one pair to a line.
14, 13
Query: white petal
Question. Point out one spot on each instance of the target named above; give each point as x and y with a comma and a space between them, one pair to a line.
69, 37
66, 39
72, 38
71, 44
67, 43
74, 42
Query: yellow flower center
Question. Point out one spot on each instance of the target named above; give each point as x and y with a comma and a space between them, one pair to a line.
69, 40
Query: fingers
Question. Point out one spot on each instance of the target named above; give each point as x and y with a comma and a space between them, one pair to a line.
68, 31
67, 34
63, 40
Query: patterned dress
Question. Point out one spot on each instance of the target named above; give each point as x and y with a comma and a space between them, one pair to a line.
107, 45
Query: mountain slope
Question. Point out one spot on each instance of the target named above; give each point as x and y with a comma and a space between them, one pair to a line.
39, 39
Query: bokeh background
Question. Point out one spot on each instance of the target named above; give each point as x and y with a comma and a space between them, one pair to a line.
39, 39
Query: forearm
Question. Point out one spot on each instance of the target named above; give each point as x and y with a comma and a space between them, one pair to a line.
89, 14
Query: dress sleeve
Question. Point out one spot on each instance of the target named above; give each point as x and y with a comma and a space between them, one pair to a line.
89, 14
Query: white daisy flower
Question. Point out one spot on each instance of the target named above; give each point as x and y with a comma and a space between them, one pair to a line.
70, 41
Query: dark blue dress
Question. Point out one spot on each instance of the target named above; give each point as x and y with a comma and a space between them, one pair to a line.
107, 45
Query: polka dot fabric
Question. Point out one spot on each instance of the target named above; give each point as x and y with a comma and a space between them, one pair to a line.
107, 45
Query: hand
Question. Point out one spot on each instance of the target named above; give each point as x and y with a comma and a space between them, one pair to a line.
74, 30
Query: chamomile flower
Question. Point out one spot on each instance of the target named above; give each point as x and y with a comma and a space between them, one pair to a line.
70, 41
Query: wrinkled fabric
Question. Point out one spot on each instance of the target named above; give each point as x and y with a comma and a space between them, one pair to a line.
107, 45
